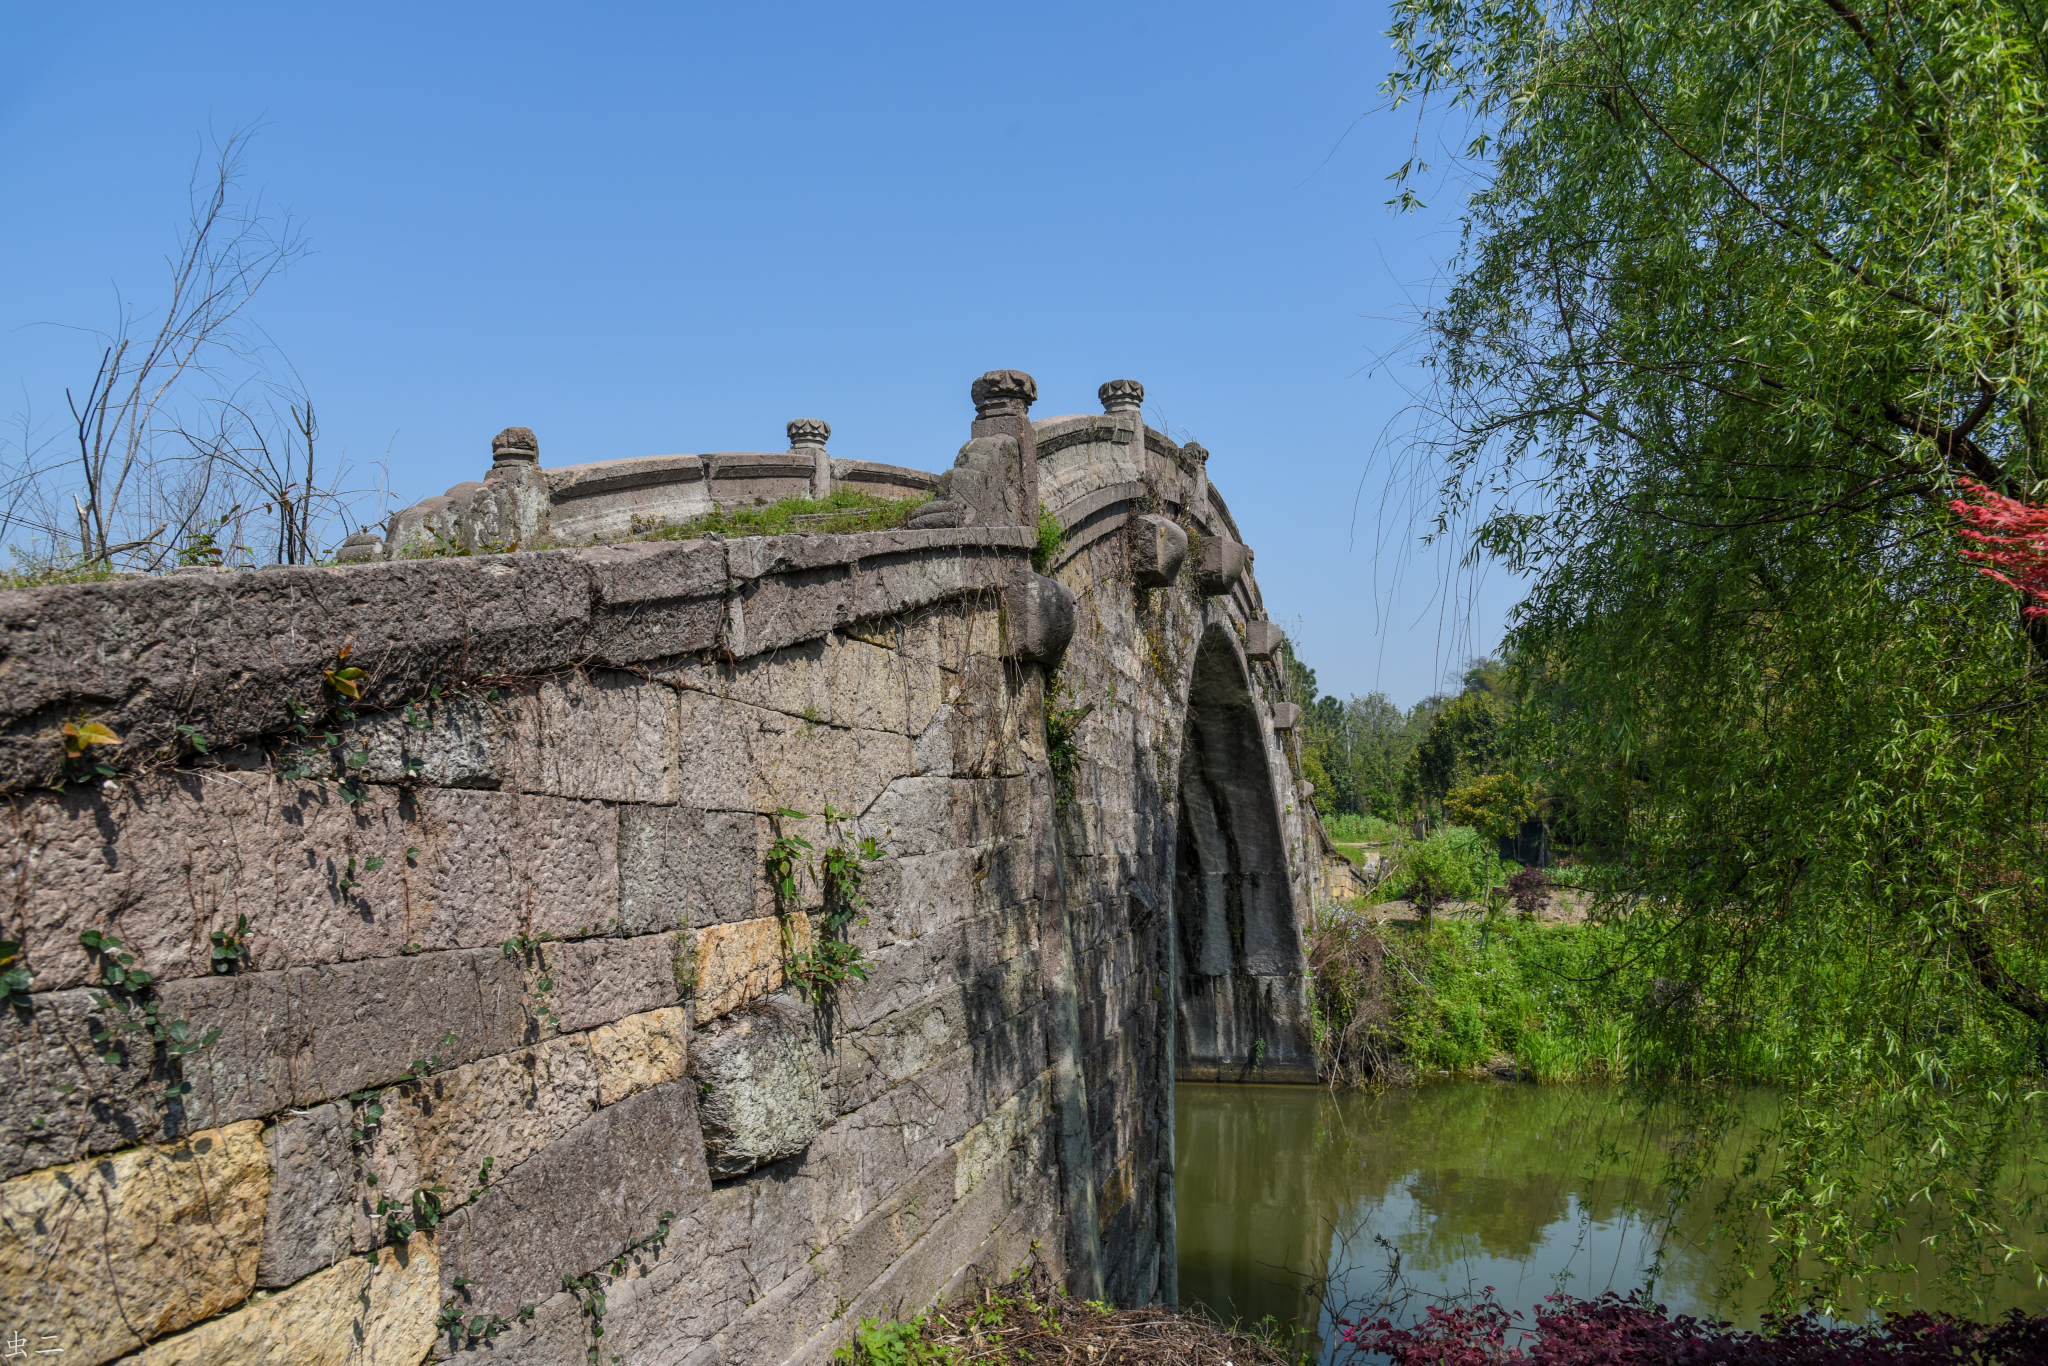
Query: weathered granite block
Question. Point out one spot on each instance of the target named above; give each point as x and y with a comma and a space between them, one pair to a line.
763, 1079
986, 1148
63, 1101
915, 895
639, 1052
186, 1219
307, 1226
655, 599
736, 963
1262, 639
835, 679
681, 866
598, 734
449, 742
178, 855
1157, 548
737, 757
312, 1034
221, 652
578, 1203
597, 981
498, 864
875, 1058
364, 1313
181, 855
1041, 619
868, 1248
438, 1131
913, 816
1223, 564
990, 809
964, 959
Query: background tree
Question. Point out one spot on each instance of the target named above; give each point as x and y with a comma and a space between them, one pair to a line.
1354, 751
1747, 290
1494, 804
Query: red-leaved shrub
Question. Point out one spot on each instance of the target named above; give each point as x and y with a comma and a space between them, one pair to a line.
1614, 1330
2014, 537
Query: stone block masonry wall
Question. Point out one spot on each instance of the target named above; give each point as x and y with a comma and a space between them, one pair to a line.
424, 983
477, 976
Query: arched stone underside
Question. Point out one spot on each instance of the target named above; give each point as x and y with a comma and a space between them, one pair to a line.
519, 924
1241, 1012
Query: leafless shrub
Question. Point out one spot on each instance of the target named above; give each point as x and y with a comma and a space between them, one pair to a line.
191, 432
1351, 963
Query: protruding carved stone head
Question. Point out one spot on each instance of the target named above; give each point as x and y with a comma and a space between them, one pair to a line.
1004, 393
808, 431
1122, 396
1197, 452
515, 444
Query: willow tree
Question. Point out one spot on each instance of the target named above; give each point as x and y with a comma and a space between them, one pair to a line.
1746, 289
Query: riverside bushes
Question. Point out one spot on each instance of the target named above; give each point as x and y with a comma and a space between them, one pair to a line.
1549, 1001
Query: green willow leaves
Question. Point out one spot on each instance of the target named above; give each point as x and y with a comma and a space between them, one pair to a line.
1745, 289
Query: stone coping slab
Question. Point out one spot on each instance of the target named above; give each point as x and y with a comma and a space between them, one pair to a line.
223, 653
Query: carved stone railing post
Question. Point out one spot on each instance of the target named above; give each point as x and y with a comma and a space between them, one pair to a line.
513, 447
807, 436
1002, 407
514, 509
1123, 396
1198, 480
507, 510
994, 479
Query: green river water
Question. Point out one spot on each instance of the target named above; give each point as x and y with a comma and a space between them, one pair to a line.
1528, 1189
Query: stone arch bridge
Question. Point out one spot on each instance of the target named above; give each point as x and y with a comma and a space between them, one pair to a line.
448, 962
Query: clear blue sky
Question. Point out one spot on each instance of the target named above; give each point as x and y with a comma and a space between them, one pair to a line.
642, 229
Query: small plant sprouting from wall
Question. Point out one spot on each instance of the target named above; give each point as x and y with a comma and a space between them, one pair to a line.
132, 1016
589, 1290
81, 768
526, 948
15, 976
1062, 728
683, 961
841, 869
786, 857
230, 948
1052, 539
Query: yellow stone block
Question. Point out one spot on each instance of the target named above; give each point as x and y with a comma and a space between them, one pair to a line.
639, 1051
113, 1253
741, 961
350, 1313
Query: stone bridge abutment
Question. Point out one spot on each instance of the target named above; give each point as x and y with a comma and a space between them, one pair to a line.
674, 945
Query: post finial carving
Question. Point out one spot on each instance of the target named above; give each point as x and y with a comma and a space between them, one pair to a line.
515, 445
1196, 452
808, 432
1122, 396
1004, 393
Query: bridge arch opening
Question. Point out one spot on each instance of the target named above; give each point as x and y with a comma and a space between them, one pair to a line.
1240, 1010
